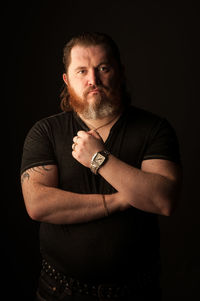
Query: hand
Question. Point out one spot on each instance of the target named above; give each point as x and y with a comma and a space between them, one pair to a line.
85, 145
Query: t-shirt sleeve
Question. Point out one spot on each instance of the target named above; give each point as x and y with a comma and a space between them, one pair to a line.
163, 143
38, 147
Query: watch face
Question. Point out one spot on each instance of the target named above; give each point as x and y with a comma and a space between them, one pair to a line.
99, 159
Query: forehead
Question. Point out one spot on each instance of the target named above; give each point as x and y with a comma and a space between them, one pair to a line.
93, 55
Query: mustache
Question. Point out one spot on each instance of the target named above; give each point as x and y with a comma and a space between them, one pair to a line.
100, 88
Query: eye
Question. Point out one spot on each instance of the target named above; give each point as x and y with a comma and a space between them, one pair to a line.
104, 69
81, 71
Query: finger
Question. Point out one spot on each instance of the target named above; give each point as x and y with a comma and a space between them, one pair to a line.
75, 139
73, 146
82, 134
73, 154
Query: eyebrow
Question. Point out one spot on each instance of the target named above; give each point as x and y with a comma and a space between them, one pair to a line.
79, 67
84, 67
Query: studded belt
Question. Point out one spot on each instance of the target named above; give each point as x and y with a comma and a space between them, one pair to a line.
72, 286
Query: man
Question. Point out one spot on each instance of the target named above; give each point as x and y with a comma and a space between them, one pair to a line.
97, 176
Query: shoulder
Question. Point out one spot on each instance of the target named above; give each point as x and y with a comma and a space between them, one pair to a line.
47, 128
150, 126
142, 115
51, 123
142, 120
56, 119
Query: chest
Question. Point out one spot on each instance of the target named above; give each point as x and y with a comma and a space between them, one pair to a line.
104, 133
122, 142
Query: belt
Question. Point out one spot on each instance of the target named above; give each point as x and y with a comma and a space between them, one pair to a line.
72, 286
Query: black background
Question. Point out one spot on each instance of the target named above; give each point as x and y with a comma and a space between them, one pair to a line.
158, 42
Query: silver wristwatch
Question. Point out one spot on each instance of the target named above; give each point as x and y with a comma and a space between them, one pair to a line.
98, 160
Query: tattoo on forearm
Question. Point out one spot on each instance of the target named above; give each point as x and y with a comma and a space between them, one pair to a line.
38, 169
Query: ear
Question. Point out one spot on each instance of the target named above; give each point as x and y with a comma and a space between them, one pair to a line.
65, 78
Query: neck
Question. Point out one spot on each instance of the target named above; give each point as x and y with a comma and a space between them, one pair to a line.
95, 124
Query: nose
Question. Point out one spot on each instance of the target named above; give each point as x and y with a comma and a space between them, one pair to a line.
93, 78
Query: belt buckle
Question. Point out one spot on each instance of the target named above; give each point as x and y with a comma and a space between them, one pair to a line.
105, 291
101, 291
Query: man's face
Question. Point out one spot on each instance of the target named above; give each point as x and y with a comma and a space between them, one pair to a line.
93, 81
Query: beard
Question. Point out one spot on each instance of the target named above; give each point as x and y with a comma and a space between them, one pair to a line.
107, 102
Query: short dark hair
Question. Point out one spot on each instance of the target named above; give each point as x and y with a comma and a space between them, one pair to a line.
87, 39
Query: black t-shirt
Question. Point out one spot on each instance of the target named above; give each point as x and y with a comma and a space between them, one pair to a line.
125, 242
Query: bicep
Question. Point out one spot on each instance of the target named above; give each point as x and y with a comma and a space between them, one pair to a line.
165, 168
37, 184
44, 174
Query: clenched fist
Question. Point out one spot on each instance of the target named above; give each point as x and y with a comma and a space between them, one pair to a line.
85, 145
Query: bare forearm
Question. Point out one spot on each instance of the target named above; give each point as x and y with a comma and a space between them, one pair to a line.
53, 205
152, 188
146, 191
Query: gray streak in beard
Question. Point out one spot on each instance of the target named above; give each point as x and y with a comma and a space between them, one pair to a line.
99, 111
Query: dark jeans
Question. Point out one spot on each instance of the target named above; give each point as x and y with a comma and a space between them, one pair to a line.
51, 290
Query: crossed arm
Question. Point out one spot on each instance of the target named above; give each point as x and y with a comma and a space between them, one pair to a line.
45, 202
153, 188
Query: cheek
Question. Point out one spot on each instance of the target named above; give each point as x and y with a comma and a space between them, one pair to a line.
113, 82
78, 86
